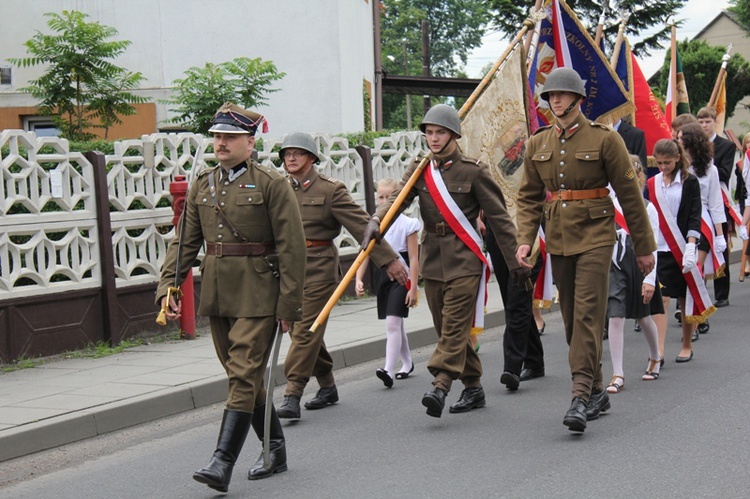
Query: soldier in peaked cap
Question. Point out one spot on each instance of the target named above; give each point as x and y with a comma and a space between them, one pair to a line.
252, 277
575, 159
325, 205
452, 190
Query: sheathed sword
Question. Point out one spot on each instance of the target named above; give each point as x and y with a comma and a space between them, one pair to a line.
175, 290
270, 384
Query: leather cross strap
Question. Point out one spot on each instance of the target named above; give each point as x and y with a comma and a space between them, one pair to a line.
240, 249
579, 194
311, 243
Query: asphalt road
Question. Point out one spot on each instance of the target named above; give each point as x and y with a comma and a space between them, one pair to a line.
684, 435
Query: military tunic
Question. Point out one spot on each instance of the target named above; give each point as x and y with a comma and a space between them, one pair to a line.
580, 234
451, 271
240, 294
325, 206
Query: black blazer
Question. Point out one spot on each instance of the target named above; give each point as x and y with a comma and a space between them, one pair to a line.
635, 141
724, 158
689, 212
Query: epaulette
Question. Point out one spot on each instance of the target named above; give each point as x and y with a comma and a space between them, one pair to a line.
264, 169
541, 128
472, 161
207, 170
329, 179
601, 125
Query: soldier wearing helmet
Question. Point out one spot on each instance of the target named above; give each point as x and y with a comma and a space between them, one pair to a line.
575, 159
451, 269
325, 205
252, 277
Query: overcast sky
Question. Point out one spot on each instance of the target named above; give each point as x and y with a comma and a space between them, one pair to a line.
696, 15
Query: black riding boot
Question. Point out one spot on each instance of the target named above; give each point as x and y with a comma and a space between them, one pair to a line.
277, 447
218, 472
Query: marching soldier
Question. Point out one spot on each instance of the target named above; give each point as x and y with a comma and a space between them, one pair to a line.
452, 190
252, 278
575, 159
325, 205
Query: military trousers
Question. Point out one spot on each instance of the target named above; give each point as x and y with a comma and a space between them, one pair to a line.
452, 307
307, 354
583, 283
243, 346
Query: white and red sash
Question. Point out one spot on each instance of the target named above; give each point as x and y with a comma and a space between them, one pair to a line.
730, 206
698, 306
714, 264
465, 231
543, 288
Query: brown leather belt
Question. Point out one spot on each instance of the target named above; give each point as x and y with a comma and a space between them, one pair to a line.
577, 195
240, 249
310, 243
440, 228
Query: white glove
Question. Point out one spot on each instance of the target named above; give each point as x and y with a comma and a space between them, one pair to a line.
689, 258
743, 233
720, 244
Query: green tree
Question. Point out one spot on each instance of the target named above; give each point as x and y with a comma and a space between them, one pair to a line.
701, 63
456, 27
741, 11
78, 73
508, 16
202, 91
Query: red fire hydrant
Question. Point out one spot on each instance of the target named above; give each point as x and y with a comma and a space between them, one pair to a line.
179, 189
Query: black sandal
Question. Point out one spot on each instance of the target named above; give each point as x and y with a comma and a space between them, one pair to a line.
404, 374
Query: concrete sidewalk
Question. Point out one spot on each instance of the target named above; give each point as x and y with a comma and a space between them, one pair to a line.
68, 400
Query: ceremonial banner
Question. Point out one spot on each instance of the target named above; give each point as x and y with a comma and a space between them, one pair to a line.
648, 114
721, 106
681, 104
564, 42
495, 130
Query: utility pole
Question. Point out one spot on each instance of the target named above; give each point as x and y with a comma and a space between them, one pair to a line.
426, 59
408, 96
378, 84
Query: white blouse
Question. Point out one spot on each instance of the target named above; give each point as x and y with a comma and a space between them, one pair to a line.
711, 198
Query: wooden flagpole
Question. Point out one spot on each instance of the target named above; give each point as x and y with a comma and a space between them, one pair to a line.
673, 75
600, 26
722, 74
393, 210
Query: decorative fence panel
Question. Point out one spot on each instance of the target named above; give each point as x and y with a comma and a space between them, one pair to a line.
49, 243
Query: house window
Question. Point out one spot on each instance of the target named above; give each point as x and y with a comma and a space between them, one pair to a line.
42, 125
5, 75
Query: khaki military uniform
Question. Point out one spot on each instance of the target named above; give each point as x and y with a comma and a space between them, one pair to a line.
580, 233
451, 271
325, 205
240, 294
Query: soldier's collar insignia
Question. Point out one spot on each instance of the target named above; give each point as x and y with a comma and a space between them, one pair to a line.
306, 183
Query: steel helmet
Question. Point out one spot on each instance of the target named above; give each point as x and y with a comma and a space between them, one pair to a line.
300, 140
563, 80
444, 116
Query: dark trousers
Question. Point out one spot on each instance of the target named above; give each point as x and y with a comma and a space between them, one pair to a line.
721, 284
522, 345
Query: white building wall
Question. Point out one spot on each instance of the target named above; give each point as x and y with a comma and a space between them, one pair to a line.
325, 47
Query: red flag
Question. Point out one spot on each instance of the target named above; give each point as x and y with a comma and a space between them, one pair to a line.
648, 114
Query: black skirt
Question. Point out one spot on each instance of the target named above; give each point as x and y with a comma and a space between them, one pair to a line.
391, 295
670, 275
625, 284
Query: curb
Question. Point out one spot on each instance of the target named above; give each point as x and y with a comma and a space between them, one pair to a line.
79, 425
